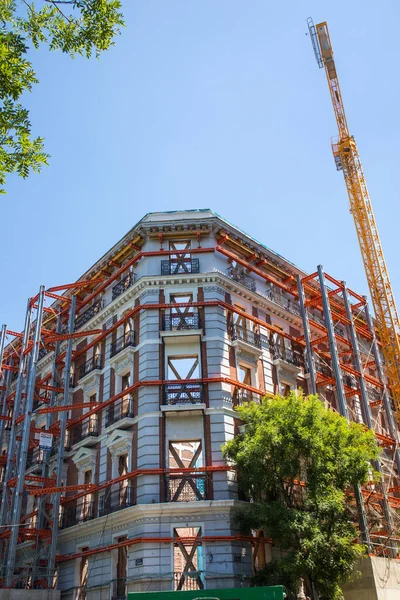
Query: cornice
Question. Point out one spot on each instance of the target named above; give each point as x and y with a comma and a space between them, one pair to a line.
213, 277
128, 517
154, 283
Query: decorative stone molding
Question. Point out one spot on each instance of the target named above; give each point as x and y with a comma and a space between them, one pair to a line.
90, 383
135, 515
149, 292
122, 362
287, 372
248, 356
148, 285
85, 460
119, 442
215, 288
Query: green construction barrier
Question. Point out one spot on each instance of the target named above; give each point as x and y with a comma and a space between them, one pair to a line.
275, 592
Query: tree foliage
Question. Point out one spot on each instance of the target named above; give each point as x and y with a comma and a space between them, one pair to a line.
76, 27
291, 440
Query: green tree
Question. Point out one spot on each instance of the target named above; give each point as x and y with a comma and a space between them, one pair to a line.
76, 27
297, 463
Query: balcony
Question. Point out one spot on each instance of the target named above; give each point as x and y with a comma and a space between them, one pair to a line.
242, 334
286, 303
287, 355
126, 340
122, 285
34, 460
241, 277
183, 393
73, 514
117, 500
55, 447
349, 381
180, 266
186, 488
188, 580
120, 411
88, 430
88, 314
243, 396
179, 322
42, 353
90, 365
320, 368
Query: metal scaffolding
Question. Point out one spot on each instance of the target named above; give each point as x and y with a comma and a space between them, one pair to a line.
343, 361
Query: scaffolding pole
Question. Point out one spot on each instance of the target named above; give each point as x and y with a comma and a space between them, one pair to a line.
2, 341
4, 380
307, 336
366, 413
385, 394
19, 486
4, 511
37, 572
341, 396
60, 461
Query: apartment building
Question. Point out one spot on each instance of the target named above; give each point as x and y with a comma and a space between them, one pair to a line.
134, 376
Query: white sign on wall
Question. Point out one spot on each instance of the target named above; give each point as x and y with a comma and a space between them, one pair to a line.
45, 440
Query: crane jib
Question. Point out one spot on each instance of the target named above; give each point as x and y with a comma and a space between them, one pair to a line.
347, 159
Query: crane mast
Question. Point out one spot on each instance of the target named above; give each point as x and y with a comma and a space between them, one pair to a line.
347, 159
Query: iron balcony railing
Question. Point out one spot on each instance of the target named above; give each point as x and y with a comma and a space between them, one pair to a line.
34, 458
123, 285
183, 393
73, 514
374, 395
90, 365
54, 448
237, 332
125, 340
120, 410
88, 314
241, 277
290, 305
286, 354
320, 368
186, 488
86, 429
180, 266
188, 580
42, 353
176, 322
349, 380
244, 396
117, 500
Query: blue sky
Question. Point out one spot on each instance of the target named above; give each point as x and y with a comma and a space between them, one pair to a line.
208, 103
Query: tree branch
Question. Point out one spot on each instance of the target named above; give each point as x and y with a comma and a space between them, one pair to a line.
55, 4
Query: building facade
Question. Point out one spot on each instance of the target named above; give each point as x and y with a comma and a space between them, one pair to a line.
181, 321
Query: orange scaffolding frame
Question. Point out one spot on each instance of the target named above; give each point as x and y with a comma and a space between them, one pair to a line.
322, 310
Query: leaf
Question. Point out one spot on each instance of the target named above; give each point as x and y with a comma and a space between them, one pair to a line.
291, 440
81, 27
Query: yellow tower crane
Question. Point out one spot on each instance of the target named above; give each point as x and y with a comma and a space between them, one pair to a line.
347, 159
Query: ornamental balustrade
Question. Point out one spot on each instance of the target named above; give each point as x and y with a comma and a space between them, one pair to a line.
183, 393
242, 277
180, 266
124, 341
